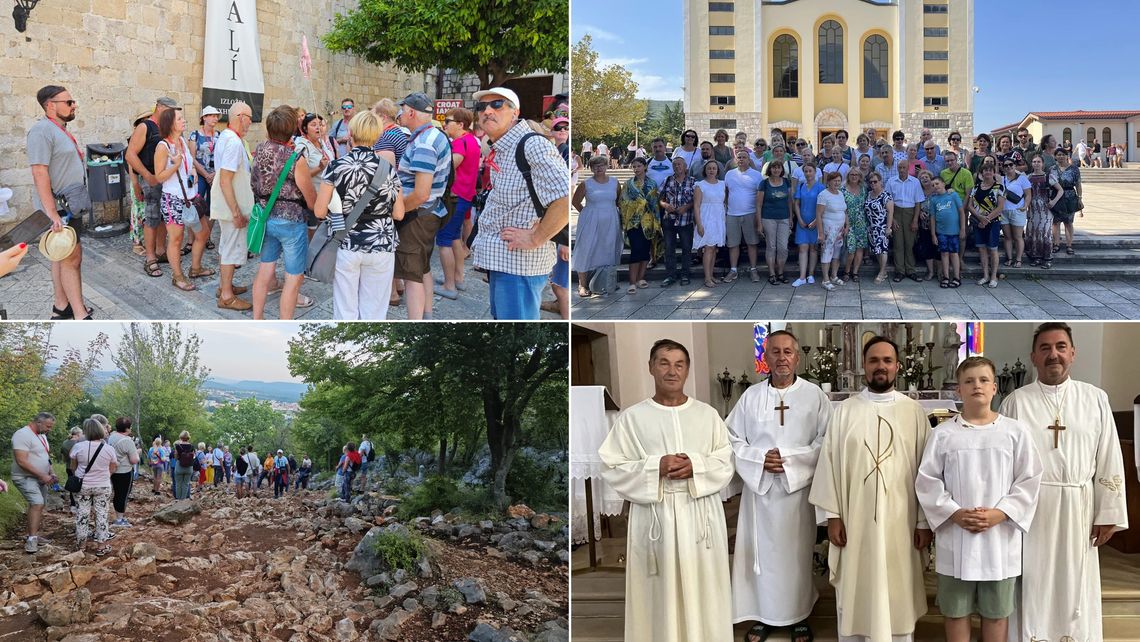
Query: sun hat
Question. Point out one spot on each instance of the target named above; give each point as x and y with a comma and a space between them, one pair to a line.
57, 246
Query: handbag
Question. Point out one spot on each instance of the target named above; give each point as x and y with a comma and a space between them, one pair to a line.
321, 262
255, 232
74, 484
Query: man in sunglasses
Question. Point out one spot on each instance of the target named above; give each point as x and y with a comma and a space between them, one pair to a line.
513, 243
339, 133
58, 173
1025, 146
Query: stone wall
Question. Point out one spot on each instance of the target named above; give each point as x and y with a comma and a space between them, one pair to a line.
117, 57
961, 122
748, 122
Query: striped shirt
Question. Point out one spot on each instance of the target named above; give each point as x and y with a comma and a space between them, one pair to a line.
392, 140
509, 203
428, 151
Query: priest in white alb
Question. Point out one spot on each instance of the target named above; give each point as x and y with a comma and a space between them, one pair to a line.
1082, 493
669, 456
864, 488
776, 430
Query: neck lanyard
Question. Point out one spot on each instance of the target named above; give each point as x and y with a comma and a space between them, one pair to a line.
1056, 407
185, 163
73, 141
42, 441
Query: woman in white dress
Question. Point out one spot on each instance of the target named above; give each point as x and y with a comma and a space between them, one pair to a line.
598, 243
709, 205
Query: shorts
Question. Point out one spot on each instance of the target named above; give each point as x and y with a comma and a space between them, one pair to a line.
289, 238
949, 243
1016, 218
31, 489
413, 254
831, 243
172, 209
311, 220
989, 236
239, 479
736, 227
152, 204
991, 600
560, 275
452, 229
232, 246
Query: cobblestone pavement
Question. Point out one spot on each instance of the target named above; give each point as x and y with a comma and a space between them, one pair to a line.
115, 286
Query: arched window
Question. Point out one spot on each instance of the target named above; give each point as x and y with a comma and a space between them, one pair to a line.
1106, 136
1090, 135
1067, 136
875, 67
785, 67
830, 53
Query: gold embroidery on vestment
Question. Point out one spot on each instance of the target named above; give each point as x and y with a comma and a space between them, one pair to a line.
1114, 484
879, 455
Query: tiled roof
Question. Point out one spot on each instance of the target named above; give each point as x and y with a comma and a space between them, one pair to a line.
1084, 115
1006, 128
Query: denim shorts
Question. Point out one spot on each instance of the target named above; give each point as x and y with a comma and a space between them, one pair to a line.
1017, 218
560, 275
948, 243
514, 297
289, 238
453, 229
989, 236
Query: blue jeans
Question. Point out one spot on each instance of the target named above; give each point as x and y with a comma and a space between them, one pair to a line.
345, 486
514, 297
289, 238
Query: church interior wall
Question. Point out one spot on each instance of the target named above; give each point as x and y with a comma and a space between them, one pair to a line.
1120, 368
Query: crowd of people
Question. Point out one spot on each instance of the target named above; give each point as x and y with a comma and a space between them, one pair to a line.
391, 184
913, 199
102, 462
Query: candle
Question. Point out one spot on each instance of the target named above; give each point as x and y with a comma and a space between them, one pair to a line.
821, 337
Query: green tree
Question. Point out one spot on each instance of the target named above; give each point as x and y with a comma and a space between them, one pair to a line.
668, 123
492, 39
248, 422
424, 381
605, 99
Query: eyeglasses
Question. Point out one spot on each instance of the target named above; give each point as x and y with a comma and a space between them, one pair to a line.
347, 106
873, 182
448, 120
1007, 165
70, 103
493, 104
955, 139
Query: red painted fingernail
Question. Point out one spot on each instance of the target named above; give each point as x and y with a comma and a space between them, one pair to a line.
23, 245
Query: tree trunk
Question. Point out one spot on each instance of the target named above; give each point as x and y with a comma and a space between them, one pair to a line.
442, 466
501, 430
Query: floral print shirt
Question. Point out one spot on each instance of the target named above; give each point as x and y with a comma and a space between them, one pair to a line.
351, 175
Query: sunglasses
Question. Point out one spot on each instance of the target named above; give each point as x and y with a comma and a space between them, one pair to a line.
448, 120
1007, 165
899, 139
873, 182
955, 140
560, 128
494, 104
347, 106
70, 103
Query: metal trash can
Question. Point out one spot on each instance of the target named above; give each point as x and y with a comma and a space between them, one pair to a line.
106, 172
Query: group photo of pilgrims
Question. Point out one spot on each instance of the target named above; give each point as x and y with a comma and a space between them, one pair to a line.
854, 481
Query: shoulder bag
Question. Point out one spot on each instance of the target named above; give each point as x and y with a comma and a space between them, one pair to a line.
192, 209
255, 232
321, 262
74, 483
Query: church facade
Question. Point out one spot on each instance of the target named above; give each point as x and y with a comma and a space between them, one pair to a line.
812, 67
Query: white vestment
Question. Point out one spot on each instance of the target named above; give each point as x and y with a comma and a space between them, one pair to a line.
677, 576
1083, 485
968, 466
775, 530
865, 476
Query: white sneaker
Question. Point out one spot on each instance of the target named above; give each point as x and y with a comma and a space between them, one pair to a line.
828, 286
837, 281
811, 280
798, 282
993, 283
31, 545
984, 280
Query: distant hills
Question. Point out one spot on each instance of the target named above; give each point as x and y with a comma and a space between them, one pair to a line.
287, 391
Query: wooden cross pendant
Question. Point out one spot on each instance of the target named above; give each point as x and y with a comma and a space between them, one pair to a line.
1056, 428
782, 407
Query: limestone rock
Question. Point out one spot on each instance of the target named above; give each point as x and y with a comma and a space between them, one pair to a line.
147, 549
516, 542
140, 567
58, 581
346, 631
355, 525
400, 591
472, 590
467, 530
389, 627
540, 521
487, 525
178, 512
72, 608
486, 633
533, 557
520, 510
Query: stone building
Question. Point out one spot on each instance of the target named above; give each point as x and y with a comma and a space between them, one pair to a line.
812, 67
1107, 127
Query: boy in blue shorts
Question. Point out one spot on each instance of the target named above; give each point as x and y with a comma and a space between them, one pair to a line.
948, 231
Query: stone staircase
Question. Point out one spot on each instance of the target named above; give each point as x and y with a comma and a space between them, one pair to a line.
1129, 174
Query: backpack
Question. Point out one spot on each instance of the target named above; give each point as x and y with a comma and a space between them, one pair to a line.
186, 457
563, 235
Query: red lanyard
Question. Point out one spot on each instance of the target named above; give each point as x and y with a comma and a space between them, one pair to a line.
75, 142
185, 157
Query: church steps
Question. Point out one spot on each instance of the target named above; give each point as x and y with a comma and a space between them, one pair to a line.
1103, 175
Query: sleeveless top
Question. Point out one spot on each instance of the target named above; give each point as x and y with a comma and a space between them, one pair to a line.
146, 154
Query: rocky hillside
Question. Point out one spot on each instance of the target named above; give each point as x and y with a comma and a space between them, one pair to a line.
304, 567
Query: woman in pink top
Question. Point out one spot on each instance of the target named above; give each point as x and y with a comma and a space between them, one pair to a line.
96, 485
465, 152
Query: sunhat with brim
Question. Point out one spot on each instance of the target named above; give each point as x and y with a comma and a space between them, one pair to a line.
57, 246
141, 116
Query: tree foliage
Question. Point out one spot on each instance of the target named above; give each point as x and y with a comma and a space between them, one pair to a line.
159, 384
249, 422
26, 388
605, 99
492, 39
435, 385
668, 123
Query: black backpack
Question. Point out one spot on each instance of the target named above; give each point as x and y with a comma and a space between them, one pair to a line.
563, 235
185, 455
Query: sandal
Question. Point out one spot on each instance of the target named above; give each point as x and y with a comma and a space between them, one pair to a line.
758, 633
709, 283
201, 272
631, 289
880, 278
783, 279
1056, 248
186, 249
138, 250
802, 633
1008, 263
583, 292
1017, 264
1045, 265
854, 277
162, 258
955, 283
1070, 251
772, 280
305, 301
66, 314
643, 284
181, 283
944, 283
150, 268
897, 278
103, 550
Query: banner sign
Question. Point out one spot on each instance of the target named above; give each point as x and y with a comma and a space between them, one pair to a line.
232, 69
444, 106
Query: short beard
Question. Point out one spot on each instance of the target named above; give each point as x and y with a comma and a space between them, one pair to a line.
69, 118
877, 389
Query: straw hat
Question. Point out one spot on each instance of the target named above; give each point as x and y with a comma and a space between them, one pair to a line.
57, 246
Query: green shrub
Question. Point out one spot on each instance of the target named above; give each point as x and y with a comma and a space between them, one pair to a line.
12, 503
400, 550
396, 486
536, 484
445, 494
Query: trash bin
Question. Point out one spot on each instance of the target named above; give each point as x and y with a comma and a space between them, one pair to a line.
106, 172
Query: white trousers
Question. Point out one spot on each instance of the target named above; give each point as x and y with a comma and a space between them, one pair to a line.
362, 285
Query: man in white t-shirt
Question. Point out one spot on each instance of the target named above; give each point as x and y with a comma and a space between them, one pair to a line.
742, 184
659, 167
603, 150
31, 472
254, 471
232, 204
587, 151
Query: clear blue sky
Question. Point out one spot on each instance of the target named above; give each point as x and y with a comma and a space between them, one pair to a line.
1036, 70
255, 351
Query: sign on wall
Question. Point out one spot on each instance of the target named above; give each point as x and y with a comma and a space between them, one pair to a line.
232, 69
444, 106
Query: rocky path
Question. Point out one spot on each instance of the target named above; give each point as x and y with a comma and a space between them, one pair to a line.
300, 568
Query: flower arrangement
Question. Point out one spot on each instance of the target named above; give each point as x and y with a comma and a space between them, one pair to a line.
825, 368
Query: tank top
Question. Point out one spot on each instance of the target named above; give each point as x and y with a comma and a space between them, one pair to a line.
146, 154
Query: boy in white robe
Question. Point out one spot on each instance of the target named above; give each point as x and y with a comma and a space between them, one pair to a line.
1082, 492
776, 430
864, 487
978, 485
669, 456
